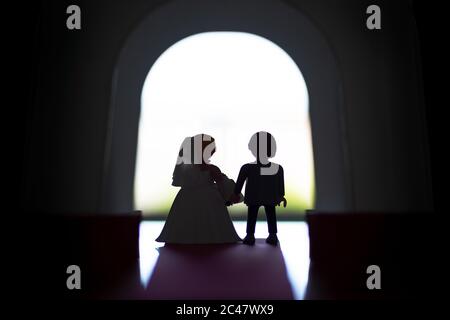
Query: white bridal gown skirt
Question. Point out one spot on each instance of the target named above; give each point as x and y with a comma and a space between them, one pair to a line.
198, 215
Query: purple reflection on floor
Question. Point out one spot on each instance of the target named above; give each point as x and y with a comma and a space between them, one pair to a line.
220, 272
226, 271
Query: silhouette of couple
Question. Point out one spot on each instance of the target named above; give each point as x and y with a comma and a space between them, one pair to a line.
199, 213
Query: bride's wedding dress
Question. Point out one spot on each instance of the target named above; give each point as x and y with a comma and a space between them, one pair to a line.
198, 213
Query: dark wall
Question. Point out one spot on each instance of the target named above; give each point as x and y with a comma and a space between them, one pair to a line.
430, 23
384, 103
64, 159
384, 114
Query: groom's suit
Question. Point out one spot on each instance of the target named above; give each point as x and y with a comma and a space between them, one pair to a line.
260, 190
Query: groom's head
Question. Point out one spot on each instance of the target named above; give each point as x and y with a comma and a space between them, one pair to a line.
263, 146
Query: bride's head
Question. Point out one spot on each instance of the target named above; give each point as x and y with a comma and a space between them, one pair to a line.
197, 149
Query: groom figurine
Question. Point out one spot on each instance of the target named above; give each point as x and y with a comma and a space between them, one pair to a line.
264, 187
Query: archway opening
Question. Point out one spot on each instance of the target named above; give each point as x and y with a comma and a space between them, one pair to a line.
228, 85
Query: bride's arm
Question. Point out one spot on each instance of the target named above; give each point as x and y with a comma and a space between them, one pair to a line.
216, 174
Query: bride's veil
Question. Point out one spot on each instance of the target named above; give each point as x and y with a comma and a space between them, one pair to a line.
192, 152
177, 172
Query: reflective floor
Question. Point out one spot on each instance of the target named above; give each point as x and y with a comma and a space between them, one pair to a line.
294, 260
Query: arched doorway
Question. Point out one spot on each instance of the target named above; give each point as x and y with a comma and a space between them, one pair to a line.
229, 85
286, 27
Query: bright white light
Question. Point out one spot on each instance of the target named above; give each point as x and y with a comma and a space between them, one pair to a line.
228, 85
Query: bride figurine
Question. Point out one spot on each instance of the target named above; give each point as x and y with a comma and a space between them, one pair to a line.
199, 212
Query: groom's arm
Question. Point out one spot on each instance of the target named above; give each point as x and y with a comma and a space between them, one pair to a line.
281, 181
241, 179
281, 187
